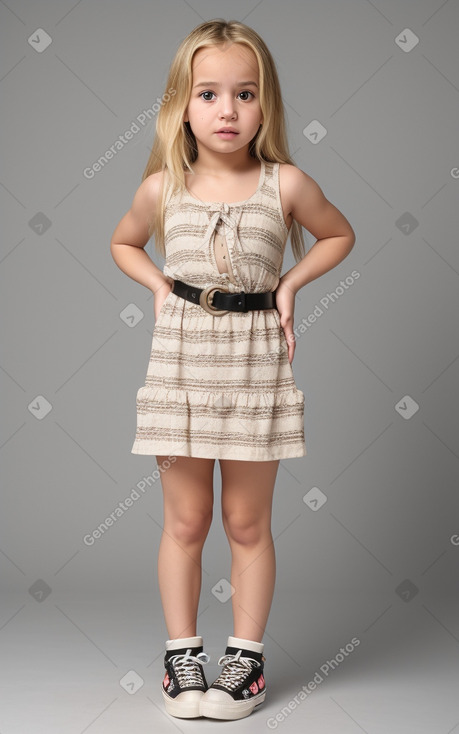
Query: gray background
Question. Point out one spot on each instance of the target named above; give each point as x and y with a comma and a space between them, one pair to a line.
379, 559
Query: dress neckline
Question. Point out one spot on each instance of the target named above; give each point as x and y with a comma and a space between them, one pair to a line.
234, 203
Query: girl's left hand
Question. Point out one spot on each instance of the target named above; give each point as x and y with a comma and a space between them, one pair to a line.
285, 303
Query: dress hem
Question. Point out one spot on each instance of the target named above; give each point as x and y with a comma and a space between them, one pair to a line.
227, 453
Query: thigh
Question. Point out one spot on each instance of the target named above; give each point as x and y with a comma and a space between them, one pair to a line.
248, 487
187, 486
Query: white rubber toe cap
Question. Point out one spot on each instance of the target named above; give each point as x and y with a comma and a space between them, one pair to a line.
185, 705
213, 695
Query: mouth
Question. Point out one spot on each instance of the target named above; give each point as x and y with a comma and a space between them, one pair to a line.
227, 131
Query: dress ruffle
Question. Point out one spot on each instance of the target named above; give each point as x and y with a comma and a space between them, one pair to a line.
238, 425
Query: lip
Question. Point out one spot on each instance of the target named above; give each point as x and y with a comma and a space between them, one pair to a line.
228, 130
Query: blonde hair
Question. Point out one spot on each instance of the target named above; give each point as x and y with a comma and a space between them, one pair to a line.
175, 145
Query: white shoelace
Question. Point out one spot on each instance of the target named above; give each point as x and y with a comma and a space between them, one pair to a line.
236, 668
186, 668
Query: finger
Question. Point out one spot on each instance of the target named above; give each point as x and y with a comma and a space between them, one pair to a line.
290, 338
291, 348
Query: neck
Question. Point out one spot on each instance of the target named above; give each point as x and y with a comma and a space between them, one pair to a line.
212, 163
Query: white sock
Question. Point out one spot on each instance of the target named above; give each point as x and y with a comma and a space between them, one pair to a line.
180, 642
245, 644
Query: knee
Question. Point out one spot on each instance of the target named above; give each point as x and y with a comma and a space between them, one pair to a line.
191, 528
244, 530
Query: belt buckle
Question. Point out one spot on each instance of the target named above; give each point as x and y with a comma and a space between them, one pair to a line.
204, 299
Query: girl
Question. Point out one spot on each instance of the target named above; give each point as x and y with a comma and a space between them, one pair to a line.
221, 194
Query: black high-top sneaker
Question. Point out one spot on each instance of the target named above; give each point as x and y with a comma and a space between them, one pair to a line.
184, 682
240, 687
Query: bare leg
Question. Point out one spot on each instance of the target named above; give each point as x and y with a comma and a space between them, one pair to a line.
247, 492
188, 503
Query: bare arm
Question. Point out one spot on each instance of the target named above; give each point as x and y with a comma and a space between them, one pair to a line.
131, 236
334, 240
334, 235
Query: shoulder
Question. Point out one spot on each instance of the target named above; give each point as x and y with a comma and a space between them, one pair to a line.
297, 186
291, 178
150, 188
146, 197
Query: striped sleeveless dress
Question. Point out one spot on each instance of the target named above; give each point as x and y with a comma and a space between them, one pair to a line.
222, 387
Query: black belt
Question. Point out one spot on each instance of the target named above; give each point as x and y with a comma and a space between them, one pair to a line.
215, 300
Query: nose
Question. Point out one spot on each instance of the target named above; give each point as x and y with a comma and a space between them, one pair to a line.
227, 105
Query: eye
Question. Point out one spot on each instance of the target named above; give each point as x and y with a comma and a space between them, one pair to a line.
206, 99
246, 92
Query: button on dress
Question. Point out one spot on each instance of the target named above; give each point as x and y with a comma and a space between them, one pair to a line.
221, 386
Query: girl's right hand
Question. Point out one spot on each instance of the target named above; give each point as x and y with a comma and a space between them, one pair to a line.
161, 294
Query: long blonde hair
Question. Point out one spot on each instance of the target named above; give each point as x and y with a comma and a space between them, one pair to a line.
174, 147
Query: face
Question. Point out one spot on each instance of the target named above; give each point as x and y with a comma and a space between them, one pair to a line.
222, 97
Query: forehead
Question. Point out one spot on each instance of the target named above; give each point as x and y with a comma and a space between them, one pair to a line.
225, 58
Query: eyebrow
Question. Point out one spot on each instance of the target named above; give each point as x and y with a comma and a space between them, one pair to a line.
217, 84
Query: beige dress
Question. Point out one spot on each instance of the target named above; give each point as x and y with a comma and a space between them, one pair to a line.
222, 387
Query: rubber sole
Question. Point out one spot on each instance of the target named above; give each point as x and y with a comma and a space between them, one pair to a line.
230, 711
